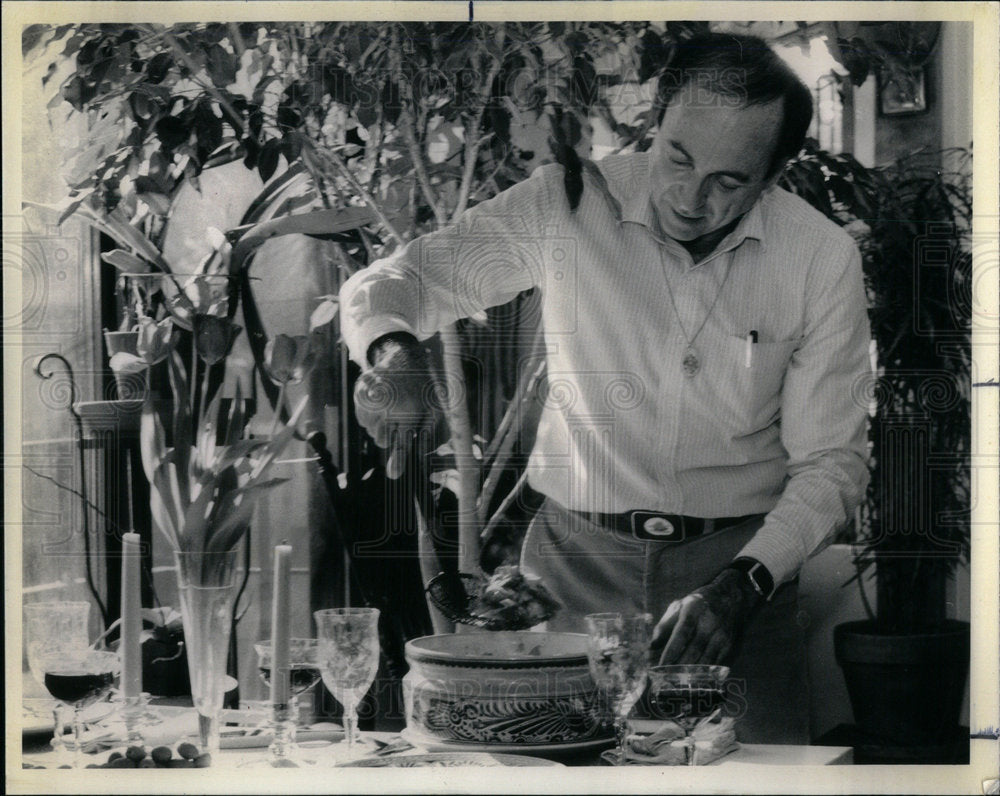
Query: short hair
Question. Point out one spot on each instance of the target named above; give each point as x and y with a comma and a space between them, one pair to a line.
746, 71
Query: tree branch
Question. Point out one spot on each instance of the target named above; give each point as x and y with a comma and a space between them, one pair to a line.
506, 435
473, 141
457, 412
407, 118
369, 200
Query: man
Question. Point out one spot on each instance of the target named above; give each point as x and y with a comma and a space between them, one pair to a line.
706, 334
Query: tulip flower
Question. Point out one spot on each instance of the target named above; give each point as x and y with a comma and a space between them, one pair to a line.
153, 344
214, 337
289, 359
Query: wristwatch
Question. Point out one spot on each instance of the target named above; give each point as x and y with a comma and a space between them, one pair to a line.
756, 574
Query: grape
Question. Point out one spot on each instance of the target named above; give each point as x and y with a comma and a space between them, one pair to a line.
188, 751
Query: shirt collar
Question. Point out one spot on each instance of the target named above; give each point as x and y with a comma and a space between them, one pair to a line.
637, 209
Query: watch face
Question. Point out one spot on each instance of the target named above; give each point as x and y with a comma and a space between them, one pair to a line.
752, 575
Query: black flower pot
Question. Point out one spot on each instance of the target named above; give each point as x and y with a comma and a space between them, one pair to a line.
906, 690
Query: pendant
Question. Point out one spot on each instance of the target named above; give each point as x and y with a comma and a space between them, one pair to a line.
690, 363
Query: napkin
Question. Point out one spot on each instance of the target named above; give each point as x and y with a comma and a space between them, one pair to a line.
670, 745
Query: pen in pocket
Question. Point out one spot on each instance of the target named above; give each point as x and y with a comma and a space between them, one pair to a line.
751, 340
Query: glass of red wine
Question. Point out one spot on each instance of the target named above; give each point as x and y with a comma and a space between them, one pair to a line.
55, 627
78, 679
303, 674
687, 692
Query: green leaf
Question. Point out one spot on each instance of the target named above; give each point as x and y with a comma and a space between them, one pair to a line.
267, 162
241, 449
151, 440
233, 523
235, 421
163, 518
158, 66
157, 202
125, 262
277, 443
221, 65
198, 511
181, 415
323, 314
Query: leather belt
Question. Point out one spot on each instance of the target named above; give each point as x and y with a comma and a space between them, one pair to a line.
653, 526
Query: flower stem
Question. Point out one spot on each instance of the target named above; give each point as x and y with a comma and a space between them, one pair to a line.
202, 407
278, 406
194, 368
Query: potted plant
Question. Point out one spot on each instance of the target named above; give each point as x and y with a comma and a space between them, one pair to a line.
906, 665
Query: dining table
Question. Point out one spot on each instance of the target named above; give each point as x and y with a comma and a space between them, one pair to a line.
245, 738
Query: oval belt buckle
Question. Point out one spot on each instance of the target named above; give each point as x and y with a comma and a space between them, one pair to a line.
659, 527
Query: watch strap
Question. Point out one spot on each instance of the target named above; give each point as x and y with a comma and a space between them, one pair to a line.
757, 574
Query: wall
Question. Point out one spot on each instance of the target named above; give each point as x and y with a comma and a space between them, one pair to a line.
899, 135
59, 313
948, 120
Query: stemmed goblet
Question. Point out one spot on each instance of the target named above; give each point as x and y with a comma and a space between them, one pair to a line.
79, 679
54, 627
618, 653
348, 654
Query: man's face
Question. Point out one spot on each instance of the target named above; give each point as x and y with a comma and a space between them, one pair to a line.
709, 162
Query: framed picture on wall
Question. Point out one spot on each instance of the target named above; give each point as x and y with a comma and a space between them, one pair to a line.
901, 91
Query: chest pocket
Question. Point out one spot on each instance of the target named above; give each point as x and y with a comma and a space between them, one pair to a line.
756, 390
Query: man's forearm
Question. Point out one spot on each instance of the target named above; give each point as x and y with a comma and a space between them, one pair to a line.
818, 499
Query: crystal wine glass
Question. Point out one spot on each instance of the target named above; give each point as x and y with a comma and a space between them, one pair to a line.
304, 674
618, 653
54, 627
348, 654
687, 692
79, 679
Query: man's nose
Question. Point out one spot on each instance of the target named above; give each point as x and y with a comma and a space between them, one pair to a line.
690, 196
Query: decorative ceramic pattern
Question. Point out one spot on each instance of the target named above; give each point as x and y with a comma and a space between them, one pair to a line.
509, 721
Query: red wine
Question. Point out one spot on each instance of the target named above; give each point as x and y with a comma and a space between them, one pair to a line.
78, 689
301, 677
688, 702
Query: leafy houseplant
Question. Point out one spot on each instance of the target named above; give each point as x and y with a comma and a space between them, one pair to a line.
906, 665
919, 269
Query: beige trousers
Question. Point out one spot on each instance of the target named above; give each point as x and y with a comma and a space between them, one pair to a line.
591, 569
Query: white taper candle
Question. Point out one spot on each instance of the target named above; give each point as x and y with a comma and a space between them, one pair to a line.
281, 625
131, 629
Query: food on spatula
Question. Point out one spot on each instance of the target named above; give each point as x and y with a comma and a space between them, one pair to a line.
513, 599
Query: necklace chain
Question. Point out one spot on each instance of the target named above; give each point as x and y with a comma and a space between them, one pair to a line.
691, 364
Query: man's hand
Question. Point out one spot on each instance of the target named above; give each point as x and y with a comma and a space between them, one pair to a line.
704, 626
393, 400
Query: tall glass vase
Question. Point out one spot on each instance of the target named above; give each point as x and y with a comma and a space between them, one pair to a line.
207, 584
